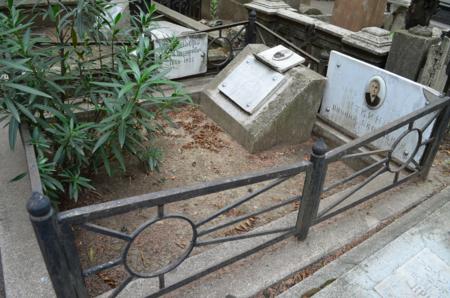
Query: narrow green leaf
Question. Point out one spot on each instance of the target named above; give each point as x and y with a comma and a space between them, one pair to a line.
122, 133
74, 38
118, 155
127, 110
125, 89
26, 112
105, 84
102, 140
18, 177
16, 64
12, 132
12, 109
106, 162
27, 89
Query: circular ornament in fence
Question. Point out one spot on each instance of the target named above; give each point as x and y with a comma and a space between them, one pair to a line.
160, 245
402, 147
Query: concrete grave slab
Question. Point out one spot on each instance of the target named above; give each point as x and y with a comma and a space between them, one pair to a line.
347, 102
286, 116
190, 58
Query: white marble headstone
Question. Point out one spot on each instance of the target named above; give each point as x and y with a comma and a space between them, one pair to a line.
190, 58
250, 84
347, 102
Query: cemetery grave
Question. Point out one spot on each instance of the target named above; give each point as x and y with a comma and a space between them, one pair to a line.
257, 113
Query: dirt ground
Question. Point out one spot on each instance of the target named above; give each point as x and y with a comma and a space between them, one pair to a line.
195, 151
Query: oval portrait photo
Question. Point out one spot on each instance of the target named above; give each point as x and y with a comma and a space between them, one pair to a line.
375, 92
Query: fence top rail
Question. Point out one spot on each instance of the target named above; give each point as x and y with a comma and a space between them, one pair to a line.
436, 103
221, 27
101, 210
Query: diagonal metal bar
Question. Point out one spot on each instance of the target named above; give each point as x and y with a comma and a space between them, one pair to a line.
237, 34
105, 231
102, 267
121, 287
221, 264
354, 190
354, 175
261, 36
426, 142
367, 197
363, 154
243, 200
428, 123
240, 237
415, 163
243, 217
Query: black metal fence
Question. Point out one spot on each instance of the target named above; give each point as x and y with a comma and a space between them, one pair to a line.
55, 231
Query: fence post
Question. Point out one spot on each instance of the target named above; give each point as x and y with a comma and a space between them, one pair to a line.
65, 282
312, 189
250, 31
437, 135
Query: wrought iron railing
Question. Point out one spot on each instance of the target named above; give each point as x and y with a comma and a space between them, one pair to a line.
234, 42
426, 127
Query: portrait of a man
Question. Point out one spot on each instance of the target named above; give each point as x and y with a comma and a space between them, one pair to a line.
373, 98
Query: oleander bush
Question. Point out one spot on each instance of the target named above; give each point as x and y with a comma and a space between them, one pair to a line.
91, 90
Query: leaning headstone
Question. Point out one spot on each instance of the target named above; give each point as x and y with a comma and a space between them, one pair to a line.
357, 14
360, 98
409, 50
261, 107
190, 57
434, 72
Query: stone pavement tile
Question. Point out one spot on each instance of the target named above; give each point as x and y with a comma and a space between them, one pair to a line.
415, 264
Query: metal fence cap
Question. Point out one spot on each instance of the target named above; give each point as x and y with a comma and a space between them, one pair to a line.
38, 205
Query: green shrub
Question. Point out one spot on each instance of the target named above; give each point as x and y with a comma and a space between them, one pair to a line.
89, 62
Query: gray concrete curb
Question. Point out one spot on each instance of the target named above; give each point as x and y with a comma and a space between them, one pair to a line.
24, 271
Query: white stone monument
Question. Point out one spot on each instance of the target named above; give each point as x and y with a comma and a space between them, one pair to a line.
261, 106
190, 58
360, 98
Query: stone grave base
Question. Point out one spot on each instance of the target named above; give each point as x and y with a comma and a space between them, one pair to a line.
287, 117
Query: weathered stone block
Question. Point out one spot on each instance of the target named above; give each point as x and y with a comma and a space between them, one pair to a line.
286, 117
357, 14
408, 53
434, 72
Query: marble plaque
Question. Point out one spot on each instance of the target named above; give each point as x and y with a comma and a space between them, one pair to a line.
361, 98
250, 84
190, 58
280, 58
425, 275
